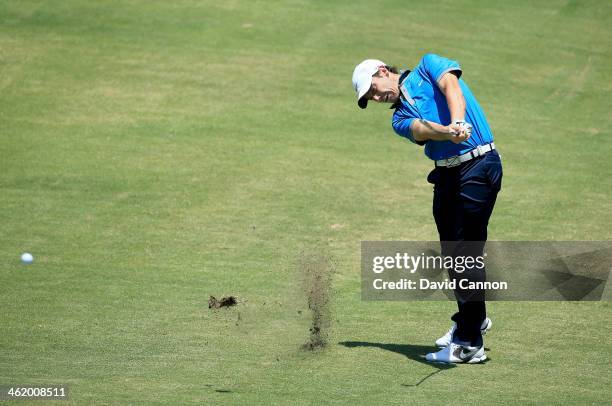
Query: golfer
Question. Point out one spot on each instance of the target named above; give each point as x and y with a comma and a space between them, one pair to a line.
434, 108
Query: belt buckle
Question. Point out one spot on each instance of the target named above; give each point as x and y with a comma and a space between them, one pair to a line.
453, 161
481, 150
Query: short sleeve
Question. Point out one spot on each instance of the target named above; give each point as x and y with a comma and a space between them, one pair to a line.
401, 125
436, 66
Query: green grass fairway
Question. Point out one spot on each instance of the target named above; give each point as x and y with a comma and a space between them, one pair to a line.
153, 153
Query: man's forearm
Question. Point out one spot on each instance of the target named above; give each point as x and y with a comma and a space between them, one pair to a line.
450, 87
423, 130
456, 104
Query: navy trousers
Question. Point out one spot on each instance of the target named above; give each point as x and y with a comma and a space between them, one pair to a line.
464, 197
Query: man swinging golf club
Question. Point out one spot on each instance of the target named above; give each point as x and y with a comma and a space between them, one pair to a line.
435, 108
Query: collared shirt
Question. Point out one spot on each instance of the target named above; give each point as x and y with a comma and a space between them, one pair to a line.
422, 99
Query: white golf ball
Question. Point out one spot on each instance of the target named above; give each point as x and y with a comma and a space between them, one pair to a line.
27, 258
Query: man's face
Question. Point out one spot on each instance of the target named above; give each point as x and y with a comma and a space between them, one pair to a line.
384, 88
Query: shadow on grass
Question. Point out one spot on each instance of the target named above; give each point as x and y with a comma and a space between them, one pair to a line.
413, 352
207, 385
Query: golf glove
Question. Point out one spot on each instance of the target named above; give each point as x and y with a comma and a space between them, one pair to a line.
465, 126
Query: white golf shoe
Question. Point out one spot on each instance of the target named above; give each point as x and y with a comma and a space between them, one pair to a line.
446, 339
458, 354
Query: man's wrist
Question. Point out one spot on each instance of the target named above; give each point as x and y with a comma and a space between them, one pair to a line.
449, 132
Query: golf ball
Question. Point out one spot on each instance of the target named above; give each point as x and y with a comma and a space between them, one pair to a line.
27, 258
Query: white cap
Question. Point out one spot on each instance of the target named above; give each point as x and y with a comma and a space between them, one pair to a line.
362, 79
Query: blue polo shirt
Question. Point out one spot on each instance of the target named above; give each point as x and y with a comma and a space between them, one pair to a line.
424, 100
